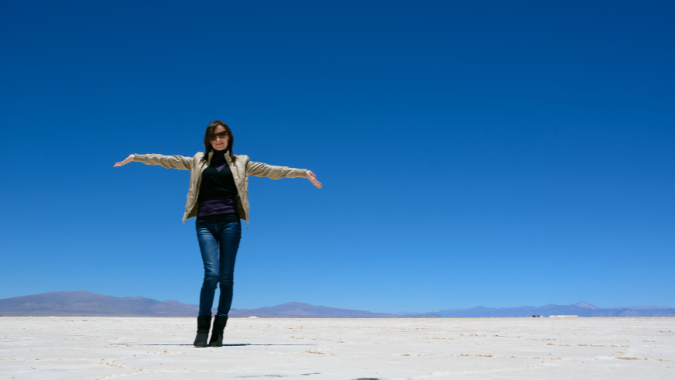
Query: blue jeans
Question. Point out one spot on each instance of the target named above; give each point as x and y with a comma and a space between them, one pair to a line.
219, 243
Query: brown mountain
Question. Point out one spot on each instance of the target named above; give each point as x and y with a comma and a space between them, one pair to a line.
81, 303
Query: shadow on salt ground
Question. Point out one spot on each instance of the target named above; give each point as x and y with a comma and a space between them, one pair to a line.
302, 374
224, 345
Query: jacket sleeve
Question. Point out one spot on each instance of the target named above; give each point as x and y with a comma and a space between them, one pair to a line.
259, 169
169, 162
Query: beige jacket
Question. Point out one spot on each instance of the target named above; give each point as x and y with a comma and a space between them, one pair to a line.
241, 167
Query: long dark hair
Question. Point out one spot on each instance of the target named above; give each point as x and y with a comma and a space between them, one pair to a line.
208, 135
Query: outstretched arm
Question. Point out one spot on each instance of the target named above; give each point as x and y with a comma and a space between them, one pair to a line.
169, 162
260, 169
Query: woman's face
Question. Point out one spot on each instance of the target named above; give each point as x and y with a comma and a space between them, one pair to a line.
220, 138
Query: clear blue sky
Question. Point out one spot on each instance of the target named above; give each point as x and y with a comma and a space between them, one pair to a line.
472, 153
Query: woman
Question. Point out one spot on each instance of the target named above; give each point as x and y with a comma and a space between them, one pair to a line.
218, 197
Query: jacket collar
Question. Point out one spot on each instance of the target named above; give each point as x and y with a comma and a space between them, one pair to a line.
208, 159
228, 158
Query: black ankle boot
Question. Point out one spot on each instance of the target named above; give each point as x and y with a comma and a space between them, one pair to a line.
203, 326
217, 331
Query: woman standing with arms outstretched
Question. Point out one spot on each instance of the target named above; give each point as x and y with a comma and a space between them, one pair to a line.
218, 197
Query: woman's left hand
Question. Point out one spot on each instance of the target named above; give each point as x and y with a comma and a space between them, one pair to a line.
312, 178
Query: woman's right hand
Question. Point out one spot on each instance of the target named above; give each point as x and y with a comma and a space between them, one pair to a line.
126, 161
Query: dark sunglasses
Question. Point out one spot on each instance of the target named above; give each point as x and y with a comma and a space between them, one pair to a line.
222, 136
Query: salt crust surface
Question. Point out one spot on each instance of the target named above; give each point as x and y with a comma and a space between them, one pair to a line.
313, 349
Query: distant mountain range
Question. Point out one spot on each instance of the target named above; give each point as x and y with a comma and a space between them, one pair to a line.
82, 303
581, 309
305, 310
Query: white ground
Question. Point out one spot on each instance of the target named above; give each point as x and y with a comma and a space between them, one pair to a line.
314, 349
